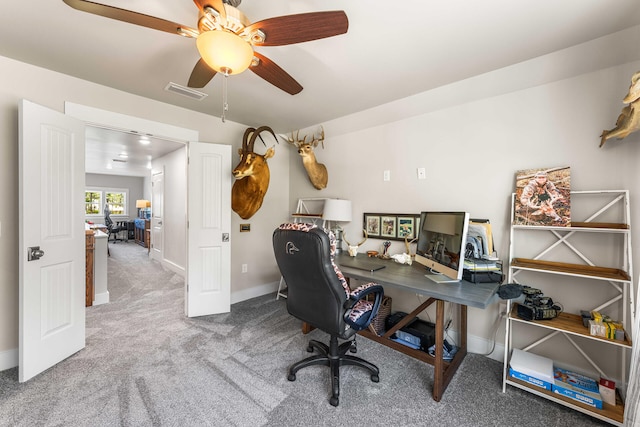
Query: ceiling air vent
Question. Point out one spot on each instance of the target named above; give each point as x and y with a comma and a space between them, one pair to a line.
119, 160
185, 91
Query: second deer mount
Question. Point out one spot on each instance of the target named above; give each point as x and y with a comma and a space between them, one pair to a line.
317, 172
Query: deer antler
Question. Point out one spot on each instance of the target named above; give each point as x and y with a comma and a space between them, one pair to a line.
295, 140
344, 237
407, 243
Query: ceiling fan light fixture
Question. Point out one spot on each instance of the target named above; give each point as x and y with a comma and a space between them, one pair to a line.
224, 51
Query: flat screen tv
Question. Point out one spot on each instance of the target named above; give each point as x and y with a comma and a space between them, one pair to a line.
442, 240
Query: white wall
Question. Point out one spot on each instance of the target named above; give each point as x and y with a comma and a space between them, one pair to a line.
471, 153
173, 165
132, 183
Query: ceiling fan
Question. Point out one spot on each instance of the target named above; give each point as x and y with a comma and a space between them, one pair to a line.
225, 37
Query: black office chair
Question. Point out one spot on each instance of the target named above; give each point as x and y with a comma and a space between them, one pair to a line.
318, 294
112, 228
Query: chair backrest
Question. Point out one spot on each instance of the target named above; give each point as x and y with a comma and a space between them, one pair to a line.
315, 290
107, 217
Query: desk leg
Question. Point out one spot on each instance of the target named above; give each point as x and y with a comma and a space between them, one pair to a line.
438, 365
306, 328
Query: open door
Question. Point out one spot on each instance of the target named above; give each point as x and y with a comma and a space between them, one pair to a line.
52, 238
209, 224
157, 215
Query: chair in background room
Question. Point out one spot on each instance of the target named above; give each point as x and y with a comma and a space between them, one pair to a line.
319, 295
112, 228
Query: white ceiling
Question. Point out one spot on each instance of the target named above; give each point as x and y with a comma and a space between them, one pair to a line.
391, 51
115, 152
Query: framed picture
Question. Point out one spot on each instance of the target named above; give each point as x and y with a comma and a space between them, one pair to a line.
406, 227
391, 226
388, 226
372, 225
543, 197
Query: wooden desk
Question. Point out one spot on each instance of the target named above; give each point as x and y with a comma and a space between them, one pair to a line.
411, 278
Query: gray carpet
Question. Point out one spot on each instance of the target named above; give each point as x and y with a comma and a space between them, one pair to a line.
146, 364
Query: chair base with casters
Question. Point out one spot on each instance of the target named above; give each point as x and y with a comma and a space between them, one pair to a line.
334, 356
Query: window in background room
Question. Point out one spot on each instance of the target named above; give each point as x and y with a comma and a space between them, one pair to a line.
92, 202
97, 197
117, 201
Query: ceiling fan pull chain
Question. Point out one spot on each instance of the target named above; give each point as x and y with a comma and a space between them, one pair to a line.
225, 105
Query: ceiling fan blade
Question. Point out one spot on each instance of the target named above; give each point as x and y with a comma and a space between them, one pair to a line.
131, 17
268, 70
201, 74
300, 28
216, 4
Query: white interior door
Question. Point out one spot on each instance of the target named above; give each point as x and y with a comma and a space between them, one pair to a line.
209, 223
157, 215
51, 211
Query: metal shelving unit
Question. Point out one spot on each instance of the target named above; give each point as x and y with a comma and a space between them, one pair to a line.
568, 326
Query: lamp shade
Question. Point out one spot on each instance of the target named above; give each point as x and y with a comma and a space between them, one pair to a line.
224, 51
142, 203
337, 210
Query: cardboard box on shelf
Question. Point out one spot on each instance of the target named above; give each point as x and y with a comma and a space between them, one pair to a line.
532, 368
576, 386
607, 391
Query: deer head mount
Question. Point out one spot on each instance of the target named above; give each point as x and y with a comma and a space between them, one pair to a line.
629, 119
317, 172
353, 249
252, 175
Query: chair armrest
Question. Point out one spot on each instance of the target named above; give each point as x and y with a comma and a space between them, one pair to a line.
366, 289
358, 295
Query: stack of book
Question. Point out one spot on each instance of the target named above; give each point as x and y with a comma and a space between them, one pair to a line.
480, 264
479, 270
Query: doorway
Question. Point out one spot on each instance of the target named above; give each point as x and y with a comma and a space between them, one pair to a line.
110, 133
207, 246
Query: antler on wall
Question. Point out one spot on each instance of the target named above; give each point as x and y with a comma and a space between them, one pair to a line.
629, 119
317, 172
252, 175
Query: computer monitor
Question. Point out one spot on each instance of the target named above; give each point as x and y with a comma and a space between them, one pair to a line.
441, 243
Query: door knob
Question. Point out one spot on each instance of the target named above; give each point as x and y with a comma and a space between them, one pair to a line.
34, 253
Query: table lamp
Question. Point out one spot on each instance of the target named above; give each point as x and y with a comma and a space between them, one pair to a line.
336, 211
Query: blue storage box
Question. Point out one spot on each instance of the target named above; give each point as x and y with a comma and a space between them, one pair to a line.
577, 387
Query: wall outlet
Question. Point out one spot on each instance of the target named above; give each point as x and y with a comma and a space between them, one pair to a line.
422, 173
386, 176
244, 268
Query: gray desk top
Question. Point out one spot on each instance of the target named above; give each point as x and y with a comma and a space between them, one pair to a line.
411, 278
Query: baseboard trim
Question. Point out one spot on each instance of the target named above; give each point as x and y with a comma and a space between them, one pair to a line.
101, 298
256, 291
8, 359
173, 267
